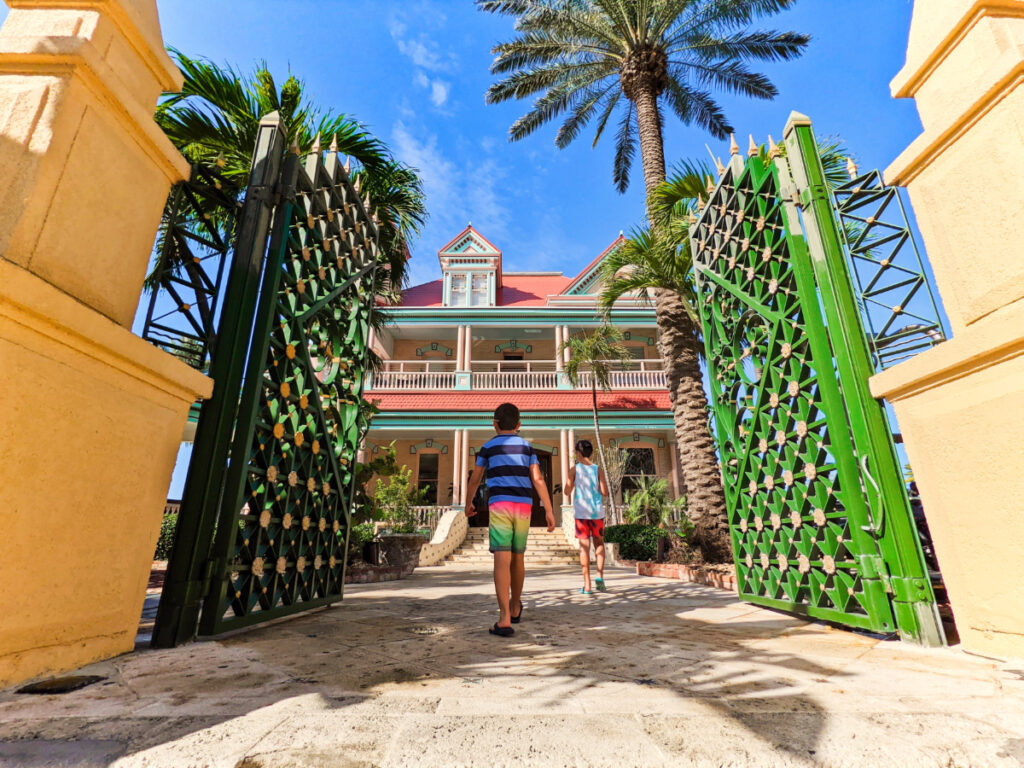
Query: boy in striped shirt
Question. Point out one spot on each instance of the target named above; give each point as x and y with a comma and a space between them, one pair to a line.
512, 471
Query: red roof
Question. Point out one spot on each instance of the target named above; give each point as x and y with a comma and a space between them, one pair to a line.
517, 291
426, 295
656, 400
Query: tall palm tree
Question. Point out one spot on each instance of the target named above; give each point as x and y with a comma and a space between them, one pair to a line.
214, 119
657, 259
631, 58
596, 354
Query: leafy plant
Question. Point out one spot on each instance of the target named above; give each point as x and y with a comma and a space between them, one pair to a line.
165, 542
615, 469
636, 541
394, 500
650, 504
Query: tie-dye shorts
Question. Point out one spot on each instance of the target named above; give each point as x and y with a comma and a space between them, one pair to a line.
510, 525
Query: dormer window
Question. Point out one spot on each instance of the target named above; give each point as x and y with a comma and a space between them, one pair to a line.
479, 297
458, 291
472, 270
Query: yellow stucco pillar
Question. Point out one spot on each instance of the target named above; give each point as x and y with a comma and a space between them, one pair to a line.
92, 415
961, 404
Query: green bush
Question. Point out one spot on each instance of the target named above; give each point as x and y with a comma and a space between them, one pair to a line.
166, 540
636, 541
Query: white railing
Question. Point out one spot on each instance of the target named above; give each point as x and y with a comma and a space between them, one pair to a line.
511, 375
415, 375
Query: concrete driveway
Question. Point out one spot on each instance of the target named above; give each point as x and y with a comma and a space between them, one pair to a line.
652, 673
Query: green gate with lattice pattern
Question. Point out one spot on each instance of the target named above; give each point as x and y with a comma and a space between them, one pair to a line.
271, 479
818, 512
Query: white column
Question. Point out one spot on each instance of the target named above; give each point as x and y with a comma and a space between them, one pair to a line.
565, 336
558, 346
674, 463
467, 359
460, 348
456, 472
465, 465
571, 439
564, 448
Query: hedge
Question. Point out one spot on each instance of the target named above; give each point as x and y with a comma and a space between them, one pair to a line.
166, 540
636, 541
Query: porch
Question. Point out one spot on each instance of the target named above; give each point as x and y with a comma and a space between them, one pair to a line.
439, 356
441, 460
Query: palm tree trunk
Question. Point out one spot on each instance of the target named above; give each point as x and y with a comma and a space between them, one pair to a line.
597, 436
698, 462
652, 145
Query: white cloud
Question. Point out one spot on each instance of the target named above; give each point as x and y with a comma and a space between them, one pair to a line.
457, 192
439, 92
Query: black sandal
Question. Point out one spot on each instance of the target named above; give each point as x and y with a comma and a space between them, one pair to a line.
515, 619
501, 631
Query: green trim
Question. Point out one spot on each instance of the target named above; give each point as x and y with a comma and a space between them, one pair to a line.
649, 340
637, 438
578, 316
444, 420
512, 344
428, 443
434, 347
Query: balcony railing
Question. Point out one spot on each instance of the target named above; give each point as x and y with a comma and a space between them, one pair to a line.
424, 375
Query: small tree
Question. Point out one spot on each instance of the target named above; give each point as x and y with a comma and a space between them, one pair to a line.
597, 354
650, 504
615, 469
394, 499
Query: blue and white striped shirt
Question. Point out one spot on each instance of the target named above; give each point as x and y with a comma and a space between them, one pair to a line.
508, 459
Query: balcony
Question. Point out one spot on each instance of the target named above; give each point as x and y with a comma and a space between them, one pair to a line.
498, 375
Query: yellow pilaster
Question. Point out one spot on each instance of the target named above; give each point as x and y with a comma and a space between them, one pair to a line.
961, 405
92, 415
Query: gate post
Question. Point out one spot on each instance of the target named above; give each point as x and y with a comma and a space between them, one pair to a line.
92, 415
189, 567
961, 404
902, 566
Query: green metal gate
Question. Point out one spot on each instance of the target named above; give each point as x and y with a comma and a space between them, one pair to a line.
817, 506
271, 479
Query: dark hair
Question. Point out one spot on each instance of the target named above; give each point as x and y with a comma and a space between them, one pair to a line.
507, 416
585, 448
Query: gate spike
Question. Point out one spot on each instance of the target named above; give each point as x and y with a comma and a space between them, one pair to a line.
356, 183
316, 144
366, 201
851, 168
294, 146
718, 163
348, 165
734, 148
220, 161
773, 148
334, 143
711, 185
752, 150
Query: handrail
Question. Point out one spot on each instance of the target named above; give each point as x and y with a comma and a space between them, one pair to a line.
425, 375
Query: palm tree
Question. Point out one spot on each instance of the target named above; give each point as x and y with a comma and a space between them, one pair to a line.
658, 260
595, 354
214, 119
630, 58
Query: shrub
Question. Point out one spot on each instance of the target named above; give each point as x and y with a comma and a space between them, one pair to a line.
636, 541
394, 499
165, 542
650, 504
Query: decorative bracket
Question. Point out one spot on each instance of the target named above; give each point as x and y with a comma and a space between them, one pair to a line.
513, 344
428, 443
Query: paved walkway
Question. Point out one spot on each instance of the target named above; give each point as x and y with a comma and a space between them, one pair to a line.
653, 673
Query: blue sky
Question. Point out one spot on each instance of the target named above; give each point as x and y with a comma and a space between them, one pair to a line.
415, 71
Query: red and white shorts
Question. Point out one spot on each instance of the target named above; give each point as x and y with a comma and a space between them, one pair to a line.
589, 529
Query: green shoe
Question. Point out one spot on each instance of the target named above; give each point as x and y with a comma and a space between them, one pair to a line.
599, 583
586, 591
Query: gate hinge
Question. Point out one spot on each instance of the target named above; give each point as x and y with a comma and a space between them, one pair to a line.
873, 567
909, 590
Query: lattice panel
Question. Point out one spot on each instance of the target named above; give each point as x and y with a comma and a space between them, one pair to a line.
192, 250
792, 529
289, 549
893, 291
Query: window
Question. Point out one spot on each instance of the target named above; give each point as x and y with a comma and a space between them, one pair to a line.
478, 296
427, 478
639, 462
513, 367
458, 297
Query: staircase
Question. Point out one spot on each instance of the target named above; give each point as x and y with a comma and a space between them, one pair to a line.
542, 549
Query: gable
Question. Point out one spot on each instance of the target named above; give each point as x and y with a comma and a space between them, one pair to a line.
585, 283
